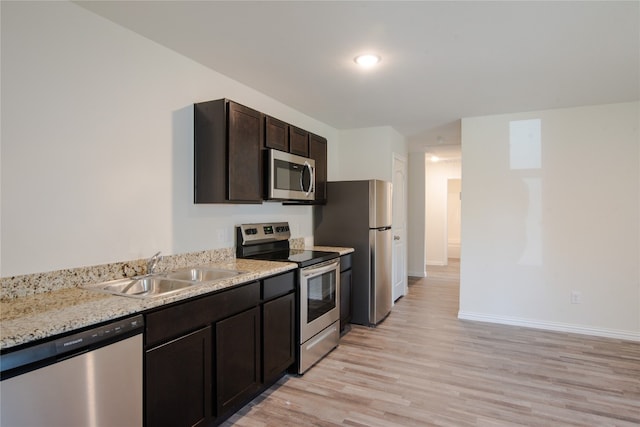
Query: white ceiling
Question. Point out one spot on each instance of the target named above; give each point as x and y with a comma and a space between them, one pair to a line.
441, 61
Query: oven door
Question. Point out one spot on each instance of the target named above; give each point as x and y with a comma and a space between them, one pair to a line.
319, 297
291, 177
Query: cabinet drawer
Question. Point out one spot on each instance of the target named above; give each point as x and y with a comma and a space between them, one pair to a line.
181, 318
278, 285
345, 262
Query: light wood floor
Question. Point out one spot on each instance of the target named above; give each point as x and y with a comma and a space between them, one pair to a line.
422, 366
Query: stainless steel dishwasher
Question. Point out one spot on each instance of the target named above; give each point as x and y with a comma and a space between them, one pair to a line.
89, 378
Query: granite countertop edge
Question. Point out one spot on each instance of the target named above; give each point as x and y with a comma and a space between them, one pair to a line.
35, 317
342, 251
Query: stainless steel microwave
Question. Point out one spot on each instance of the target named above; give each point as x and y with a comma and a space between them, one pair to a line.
291, 177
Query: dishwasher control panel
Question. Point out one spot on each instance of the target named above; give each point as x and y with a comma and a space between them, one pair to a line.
96, 335
67, 346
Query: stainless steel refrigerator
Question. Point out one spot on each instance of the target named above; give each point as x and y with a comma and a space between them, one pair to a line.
358, 215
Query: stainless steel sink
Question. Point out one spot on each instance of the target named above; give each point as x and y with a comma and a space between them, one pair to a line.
143, 287
202, 274
160, 285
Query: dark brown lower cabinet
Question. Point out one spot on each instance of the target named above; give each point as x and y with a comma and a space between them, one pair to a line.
238, 373
278, 317
204, 356
345, 291
178, 381
345, 299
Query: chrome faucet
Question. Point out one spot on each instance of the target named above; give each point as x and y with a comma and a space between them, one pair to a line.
152, 263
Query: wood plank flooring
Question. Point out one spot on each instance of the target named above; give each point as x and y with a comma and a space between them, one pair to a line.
424, 367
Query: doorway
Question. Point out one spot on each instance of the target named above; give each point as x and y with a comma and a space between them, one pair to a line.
454, 208
399, 227
438, 175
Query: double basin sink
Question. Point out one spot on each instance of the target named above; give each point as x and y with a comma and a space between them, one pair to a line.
157, 285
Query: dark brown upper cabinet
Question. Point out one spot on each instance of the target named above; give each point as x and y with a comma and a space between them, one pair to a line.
228, 141
298, 141
276, 134
282, 136
318, 152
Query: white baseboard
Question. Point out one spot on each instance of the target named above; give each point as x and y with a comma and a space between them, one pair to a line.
422, 273
438, 263
453, 250
551, 326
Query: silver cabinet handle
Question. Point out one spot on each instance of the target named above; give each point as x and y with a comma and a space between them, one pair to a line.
396, 237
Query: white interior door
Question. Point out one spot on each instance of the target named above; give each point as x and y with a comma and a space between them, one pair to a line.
399, 227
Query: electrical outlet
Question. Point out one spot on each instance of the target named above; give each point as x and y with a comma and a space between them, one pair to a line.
576, 297
221, 235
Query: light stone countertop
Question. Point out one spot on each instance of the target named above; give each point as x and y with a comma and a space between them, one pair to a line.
340, 250
43, 315
36, 316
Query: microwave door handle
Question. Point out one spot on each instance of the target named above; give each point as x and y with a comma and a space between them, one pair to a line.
311, 176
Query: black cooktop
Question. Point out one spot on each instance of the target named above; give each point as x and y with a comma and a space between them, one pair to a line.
303, 257
270, 242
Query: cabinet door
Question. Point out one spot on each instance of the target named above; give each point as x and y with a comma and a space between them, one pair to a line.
318, 152
278, 325
298, 141
245, 140
210, 151
238, 356
176, 320
276, 134
345, 298
178, 381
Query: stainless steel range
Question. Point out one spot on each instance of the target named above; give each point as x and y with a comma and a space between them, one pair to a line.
318, 308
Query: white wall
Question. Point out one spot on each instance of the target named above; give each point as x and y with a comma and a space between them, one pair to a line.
550, 211
97, 144
416, 254
1, 174
438, 175
367, 153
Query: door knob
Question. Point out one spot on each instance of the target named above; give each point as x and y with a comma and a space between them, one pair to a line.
396, 237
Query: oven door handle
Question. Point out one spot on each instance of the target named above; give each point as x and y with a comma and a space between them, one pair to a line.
317, 270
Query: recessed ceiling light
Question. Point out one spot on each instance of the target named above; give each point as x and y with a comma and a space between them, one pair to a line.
367, 61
